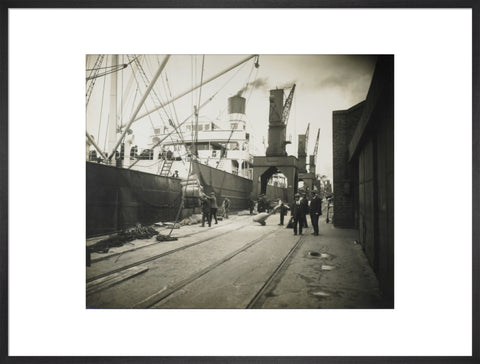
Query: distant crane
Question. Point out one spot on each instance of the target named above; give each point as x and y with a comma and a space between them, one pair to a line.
315, 150
306, 137
314, 155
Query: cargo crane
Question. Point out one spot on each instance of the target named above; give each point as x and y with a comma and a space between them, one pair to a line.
287, 106
314, 155
306, 137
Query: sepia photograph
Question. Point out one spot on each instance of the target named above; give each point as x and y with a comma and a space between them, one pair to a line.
252, 184
239, 181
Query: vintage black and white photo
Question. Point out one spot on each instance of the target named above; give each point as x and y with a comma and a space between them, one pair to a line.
239, 181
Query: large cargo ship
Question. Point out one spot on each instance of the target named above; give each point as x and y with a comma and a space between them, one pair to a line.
126, 185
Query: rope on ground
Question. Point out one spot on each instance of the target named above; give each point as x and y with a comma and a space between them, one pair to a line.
125, 236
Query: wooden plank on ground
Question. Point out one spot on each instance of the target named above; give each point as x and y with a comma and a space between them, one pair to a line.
115, 278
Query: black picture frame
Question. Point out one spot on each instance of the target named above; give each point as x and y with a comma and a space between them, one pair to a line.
394, 4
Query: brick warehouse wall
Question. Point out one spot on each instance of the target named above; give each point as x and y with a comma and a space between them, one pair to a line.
370, 170
344, 173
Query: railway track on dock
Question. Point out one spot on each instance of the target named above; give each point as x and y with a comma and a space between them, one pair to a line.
258, 296
168, 294
161, 255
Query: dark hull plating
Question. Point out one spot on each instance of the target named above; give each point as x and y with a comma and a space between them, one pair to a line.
119, 198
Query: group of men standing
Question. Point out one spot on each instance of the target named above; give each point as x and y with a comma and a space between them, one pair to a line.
300, 209
210, 207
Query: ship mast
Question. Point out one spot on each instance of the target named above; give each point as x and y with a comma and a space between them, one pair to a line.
112, 116
140, 104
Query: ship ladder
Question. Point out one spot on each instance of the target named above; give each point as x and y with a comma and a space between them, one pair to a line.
166, 167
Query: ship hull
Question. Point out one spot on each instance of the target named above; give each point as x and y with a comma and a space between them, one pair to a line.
224, 184
237, 189
119, 198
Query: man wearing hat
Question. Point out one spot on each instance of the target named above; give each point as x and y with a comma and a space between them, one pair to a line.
304, 203
213, 207
298, 214
206, 208
315, 211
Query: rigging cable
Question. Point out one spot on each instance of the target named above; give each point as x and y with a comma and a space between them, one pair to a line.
98, 61
138, 86
101, 109
123, 65
158, 98
169, 117
175, 122
183, 122
199, 99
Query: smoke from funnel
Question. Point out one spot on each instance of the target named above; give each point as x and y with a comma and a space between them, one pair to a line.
286, 85
258, 83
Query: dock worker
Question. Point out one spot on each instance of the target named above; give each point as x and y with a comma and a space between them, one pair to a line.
213, 207
226, 207
206, 210
251, 203
298, 215
315, 211
263, 216
251, 206
261, 204
283, 211
304, 203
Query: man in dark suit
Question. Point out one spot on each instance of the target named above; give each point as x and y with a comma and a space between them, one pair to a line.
315, 211
304, 203
298, 214
213, 207
206, 213
283, 211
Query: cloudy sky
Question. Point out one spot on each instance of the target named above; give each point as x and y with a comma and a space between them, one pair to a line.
324, 83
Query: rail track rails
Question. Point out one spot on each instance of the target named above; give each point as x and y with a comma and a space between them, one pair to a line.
158, 256
99, 259
257, 300
166, 292
258, 296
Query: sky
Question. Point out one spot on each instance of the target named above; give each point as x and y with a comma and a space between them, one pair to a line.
324, 83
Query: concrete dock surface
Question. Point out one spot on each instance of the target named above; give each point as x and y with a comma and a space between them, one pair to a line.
299, 272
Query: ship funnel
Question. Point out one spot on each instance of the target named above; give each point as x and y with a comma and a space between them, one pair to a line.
236, 112
236, 105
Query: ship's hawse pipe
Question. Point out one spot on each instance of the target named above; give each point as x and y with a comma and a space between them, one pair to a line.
197, 86
132, 118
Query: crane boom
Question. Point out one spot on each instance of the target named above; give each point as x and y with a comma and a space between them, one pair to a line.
286, 107
306, 137
315, 150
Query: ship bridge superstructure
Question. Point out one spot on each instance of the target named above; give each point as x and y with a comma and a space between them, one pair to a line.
219, 144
